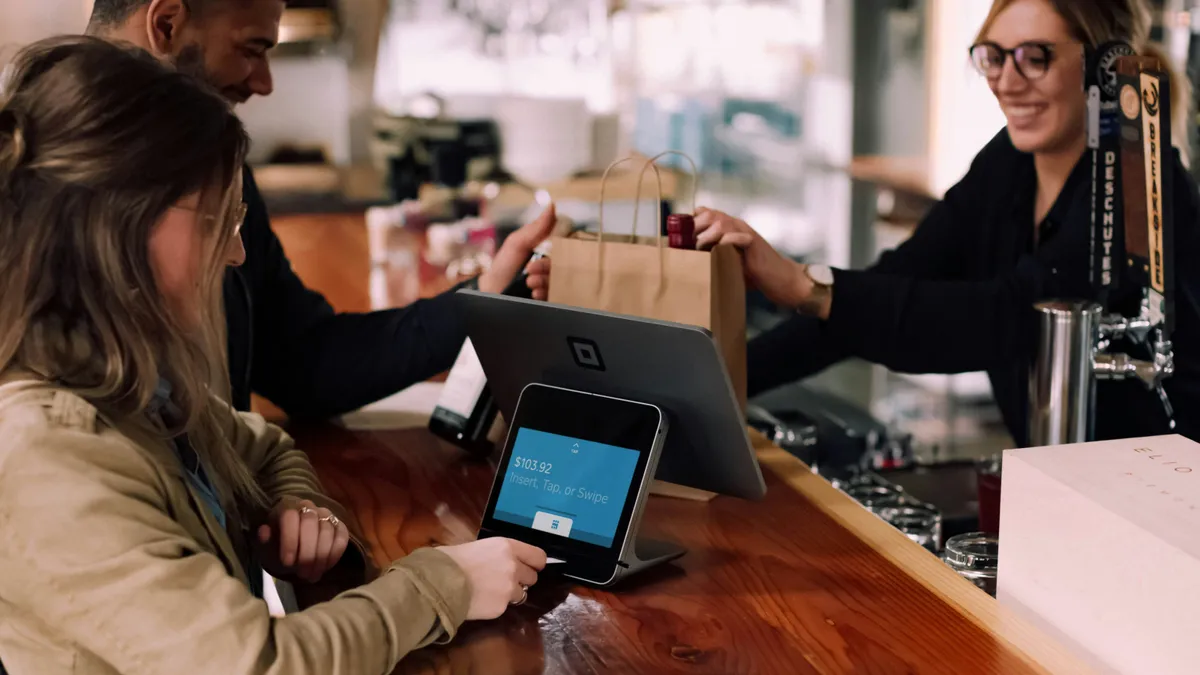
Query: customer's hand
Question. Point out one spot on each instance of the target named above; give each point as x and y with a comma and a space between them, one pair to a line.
500, 571
517, 248
537, 277
782, 280
301, 541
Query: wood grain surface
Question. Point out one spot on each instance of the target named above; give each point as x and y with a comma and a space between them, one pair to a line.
329, 253
780, 586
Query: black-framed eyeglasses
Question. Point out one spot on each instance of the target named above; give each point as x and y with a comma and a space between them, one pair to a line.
1031, 59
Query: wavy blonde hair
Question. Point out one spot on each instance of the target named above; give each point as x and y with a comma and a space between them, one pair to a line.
97, 142
1094, 22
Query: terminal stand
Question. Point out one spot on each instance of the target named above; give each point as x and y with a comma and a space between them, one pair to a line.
648, 553
641, 553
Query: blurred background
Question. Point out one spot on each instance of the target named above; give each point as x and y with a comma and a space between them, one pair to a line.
829, 125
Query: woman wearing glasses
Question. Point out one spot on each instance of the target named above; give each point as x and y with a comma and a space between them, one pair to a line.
137, 510
958, 295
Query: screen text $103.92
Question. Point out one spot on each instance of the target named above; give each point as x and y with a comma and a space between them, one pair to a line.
532, 465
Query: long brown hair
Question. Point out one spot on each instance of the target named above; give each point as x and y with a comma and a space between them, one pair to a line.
97, 142
1094, 22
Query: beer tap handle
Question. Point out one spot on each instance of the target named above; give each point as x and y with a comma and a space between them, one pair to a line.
1166, 402
1164, 363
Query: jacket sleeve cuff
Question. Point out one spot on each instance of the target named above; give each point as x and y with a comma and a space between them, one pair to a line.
859, 311
422, 599
444, 584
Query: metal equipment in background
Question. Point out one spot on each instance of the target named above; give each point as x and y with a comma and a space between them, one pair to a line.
1129, 135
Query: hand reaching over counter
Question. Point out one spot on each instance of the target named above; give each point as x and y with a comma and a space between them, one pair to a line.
783, 281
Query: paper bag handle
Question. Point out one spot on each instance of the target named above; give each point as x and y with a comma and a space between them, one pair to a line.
653, 161
658, 235
637, 198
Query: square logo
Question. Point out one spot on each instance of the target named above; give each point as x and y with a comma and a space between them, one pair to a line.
586, 354
554, 524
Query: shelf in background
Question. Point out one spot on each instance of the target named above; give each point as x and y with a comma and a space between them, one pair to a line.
320, 188
906, 174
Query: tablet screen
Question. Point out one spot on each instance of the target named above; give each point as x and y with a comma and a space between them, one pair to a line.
570, 474
567, 486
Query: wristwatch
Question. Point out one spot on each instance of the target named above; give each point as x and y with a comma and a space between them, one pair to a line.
820, 275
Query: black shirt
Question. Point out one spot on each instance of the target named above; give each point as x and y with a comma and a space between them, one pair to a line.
958, 297
287, 344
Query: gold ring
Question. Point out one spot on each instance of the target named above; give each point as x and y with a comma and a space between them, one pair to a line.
332, 520
306, 509
524, 596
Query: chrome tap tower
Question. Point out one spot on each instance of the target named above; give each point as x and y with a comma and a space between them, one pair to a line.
1129, 133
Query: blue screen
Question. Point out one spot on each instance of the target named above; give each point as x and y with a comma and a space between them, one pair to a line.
566, 486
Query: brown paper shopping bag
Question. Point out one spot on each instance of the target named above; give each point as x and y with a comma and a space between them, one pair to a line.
641, 276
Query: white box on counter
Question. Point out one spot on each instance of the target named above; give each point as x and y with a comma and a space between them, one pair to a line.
1100, 547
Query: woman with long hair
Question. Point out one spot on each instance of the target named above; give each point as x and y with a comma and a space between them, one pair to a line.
137, 510
958, 296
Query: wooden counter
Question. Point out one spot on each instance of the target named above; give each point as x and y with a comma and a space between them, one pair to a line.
806, 581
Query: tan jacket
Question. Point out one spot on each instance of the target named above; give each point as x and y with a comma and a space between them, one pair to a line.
110, 564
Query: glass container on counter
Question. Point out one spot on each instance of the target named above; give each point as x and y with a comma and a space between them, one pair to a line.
394, 248
919, 522
976, 557
876, 498
858, 478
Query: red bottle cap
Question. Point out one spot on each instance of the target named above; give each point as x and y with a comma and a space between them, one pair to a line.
681, 231
682, 223
679, 240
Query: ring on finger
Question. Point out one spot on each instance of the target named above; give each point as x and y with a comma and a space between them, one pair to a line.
331, 519
524, 596
306, 510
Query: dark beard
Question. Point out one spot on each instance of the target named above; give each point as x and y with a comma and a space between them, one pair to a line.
190, 61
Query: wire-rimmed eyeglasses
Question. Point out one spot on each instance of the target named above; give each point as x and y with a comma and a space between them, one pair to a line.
236, 218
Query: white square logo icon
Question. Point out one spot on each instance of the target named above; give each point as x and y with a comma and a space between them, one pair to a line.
554, 524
